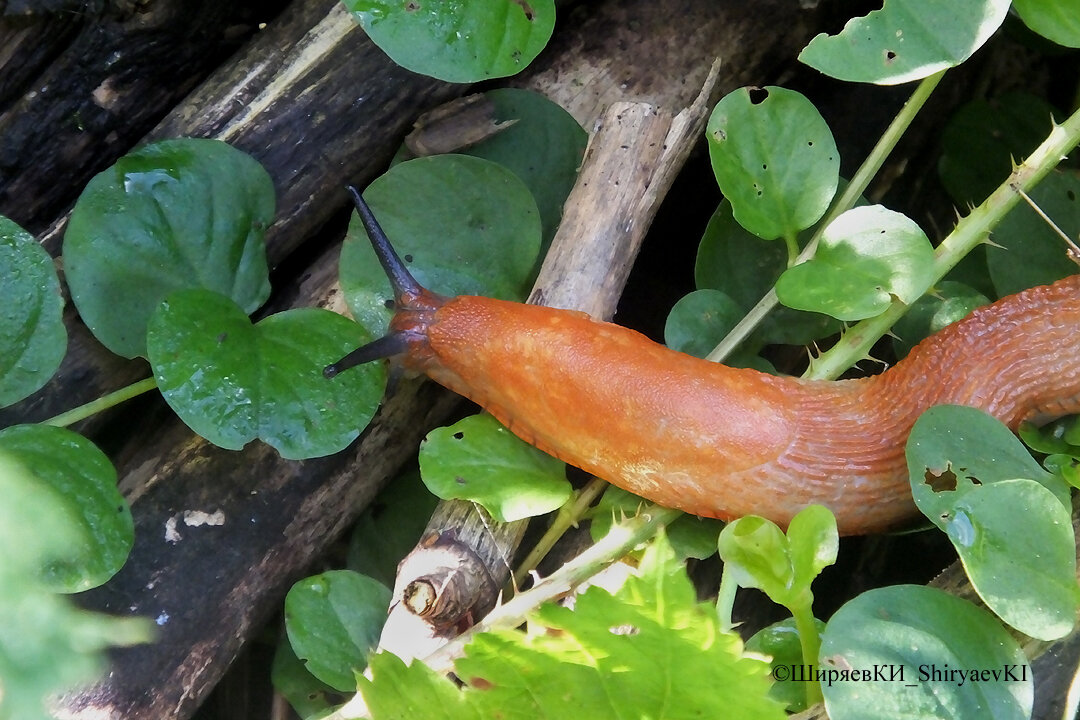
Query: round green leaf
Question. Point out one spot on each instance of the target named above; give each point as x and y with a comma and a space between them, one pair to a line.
756, 552
739, 264
949, 301
774, 159
1057, 20
460, 42
478, 459
83, 479
780, 641
971, 477
906, 40
307, 695
867, 256
171, 215
232, 381
32, 334
333, 620
463, 226
543, 147
700, 320
984, 137
1031, 253
904, 647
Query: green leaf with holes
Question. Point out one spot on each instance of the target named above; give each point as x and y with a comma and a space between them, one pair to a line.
1008, 519
478, 459
906, 40
32, 334
774, 158
463, 42
868, 256
891, 640
232, 381
333, 620
462, 225
173, 214
98, 525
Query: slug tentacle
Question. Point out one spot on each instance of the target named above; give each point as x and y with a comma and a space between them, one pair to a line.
724, 442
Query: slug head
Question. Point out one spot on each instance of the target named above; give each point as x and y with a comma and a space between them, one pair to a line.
414, 304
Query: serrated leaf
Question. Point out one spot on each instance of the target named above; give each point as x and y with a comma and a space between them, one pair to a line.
1056, 20
867, 257
173, 214
478, 459
984, 137
906, 40
774, 159
83, 481
333, 620
461, 42
1031, 253
906, 632
780, 641
739, 264
232, 381
946, 303
649, 651
32, 334
971, 477
463, 226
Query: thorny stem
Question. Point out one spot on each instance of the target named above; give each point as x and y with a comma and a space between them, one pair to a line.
845, 202
568, 516
969, 232
104, 402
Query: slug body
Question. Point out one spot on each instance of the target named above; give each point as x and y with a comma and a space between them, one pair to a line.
724, 442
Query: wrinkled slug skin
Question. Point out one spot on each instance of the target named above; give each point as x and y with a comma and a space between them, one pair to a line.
724, 442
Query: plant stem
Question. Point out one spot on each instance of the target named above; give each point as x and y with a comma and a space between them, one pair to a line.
842, 204
725, 600
810, 642
102, 403
568, 516
969, 232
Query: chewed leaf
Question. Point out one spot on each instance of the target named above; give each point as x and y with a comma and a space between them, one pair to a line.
898, 645
32, 334
906, 40
774, 159
232, 381
174, 214
975, 481
460, 42
478, 459
463, 226
333, 621
867, 256
100, 531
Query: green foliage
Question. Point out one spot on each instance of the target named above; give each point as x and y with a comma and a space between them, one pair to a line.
651, 650
32, 333
909, 632
171, 215
446, 216
946, 303
333, 621
308, 695
1031, 253
232, 381
79, 480
867, 257
781, 642
774, 158
971, 478
462, 42
906, 40
478, 459
1053, 19
690, 536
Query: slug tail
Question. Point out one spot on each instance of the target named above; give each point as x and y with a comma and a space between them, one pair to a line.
404, 284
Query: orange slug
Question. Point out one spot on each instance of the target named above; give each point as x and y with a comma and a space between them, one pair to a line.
718, 441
